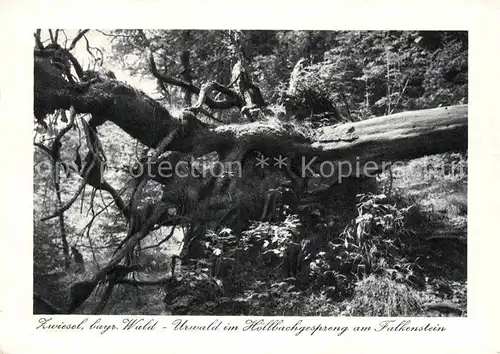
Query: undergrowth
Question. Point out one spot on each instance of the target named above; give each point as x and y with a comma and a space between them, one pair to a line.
389, 259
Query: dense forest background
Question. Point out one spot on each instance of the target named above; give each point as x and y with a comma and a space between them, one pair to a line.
310, 260
364, 73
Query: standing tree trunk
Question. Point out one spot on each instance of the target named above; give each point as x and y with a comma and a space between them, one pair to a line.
186, 75
62, 229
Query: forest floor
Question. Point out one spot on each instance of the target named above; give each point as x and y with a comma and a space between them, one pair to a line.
439, 258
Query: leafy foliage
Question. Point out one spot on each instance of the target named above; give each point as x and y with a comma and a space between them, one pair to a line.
362, 73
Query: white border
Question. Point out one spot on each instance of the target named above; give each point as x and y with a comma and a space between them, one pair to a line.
474, 334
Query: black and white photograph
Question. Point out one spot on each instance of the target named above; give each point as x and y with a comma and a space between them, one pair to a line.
250, 172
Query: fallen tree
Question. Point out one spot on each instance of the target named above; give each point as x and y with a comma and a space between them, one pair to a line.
390, 138
367, 147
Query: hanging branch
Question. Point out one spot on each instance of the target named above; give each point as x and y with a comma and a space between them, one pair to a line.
65, 53
57, 187
135, 217
70, 202
44, 149
113, 277
65, 38
75, 63
55, 153
79, 36
168, 237
92, 172
91, 244
89, 50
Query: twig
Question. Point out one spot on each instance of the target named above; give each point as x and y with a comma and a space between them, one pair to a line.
400, 95
112, 34
205, 112
89, 50
168, 237
43, 148
90, 241
52, 37
65, 38
72, 200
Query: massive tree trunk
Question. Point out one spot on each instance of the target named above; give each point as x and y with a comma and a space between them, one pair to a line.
395, 137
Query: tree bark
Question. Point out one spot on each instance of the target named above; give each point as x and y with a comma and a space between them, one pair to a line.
396, 137
186, 75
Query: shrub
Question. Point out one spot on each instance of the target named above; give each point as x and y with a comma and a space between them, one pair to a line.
381, 296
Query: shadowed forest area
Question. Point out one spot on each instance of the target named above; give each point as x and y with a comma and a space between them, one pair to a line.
304, 173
